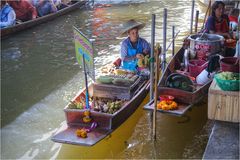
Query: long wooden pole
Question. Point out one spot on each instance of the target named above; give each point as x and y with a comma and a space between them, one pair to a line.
192, 13
152, 56
208, 10
164, 38
173, 40
196, 21
155, 94
86, 83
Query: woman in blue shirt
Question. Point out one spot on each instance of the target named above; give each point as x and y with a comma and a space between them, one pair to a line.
218, 22
133, 45
7, 14
45, 7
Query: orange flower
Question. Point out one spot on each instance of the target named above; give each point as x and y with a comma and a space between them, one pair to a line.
167, 105
87, 119
81, 133
86, 113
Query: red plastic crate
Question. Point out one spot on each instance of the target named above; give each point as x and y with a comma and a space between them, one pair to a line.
196, 67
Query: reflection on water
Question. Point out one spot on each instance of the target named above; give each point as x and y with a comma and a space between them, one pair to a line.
176, 137
39, 75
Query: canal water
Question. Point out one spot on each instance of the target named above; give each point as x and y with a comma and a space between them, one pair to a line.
39, 75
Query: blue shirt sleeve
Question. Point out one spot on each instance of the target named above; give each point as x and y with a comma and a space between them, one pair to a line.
10, 20
146, 46
123, 50
210, 24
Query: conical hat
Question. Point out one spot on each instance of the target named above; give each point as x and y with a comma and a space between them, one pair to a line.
130, 25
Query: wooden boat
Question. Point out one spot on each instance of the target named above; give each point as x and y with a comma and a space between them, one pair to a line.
113, 144
25, 25
106, 123
184, 99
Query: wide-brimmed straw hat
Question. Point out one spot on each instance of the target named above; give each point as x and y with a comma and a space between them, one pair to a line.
130, 25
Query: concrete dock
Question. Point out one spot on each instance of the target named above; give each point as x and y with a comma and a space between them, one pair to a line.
223, 142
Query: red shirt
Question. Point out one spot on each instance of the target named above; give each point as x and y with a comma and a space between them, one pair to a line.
233, 19
222, 26
213, 25
24, 10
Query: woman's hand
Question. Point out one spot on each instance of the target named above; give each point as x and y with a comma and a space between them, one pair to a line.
227, 35
129, 58
139, 56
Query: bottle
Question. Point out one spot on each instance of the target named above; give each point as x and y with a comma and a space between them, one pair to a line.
237, 53
157, 51
186, 59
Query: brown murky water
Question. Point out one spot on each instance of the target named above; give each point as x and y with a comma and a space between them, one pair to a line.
39, 75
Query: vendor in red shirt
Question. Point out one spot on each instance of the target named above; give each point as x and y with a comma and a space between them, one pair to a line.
24, 10
233, 18
218, 22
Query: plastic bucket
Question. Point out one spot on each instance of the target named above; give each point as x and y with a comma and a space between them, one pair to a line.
229, 64
195, 67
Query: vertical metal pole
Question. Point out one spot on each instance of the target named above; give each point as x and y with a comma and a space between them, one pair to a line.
173, 40
155, 95
196, 21
86, 83
193, 2
238, 42
93, 74
164, 38
152, 56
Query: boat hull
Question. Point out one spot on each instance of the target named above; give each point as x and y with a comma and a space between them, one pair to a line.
107, 123
28, 24
184, 99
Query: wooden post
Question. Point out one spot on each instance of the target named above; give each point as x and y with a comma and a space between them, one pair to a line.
155, 94
191, 24
208, 10
86, 83
173, 40
164, 39
152, 56
196, 21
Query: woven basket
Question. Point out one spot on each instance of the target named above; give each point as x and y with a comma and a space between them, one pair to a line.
227, 85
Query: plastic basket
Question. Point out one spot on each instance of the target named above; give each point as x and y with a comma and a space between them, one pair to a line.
229, 64
227, 85
196, 67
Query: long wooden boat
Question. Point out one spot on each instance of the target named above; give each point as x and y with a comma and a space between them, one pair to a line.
113, 144
185, 99
106, 122
25, 25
